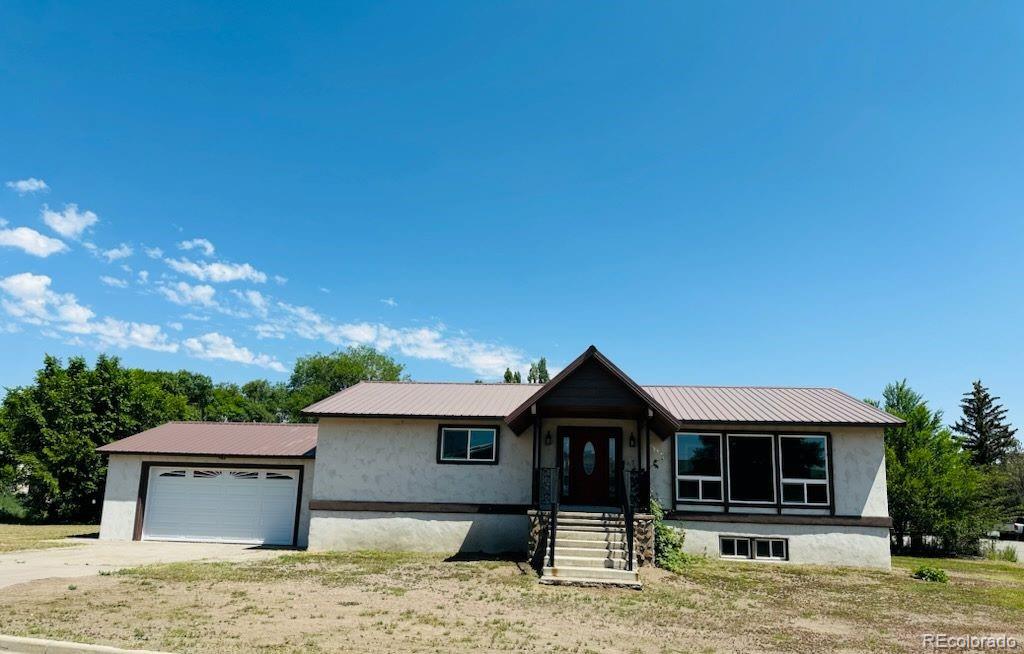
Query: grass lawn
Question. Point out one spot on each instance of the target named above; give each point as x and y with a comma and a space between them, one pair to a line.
35, 537
375, 601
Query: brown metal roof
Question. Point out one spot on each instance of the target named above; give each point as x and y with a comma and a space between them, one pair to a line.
430, 399
687, 404
771, 404
221, 439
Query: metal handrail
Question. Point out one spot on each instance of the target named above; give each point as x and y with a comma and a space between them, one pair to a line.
627, 515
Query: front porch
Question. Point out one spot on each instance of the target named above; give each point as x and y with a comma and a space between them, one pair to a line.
591, 430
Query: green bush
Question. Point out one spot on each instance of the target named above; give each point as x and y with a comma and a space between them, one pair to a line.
990, 551
928, 573
668, 543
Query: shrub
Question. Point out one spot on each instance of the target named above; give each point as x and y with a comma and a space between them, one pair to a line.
928, 573
668, 543
990, 551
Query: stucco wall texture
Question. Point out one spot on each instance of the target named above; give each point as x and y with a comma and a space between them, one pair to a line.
122, 489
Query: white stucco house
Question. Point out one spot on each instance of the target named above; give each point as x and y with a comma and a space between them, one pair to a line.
563, 471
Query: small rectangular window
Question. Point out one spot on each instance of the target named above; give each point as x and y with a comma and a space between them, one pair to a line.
745, 547
468, 445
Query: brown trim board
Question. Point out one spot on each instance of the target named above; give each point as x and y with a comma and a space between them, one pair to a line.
785, 519
140, 502
417, 507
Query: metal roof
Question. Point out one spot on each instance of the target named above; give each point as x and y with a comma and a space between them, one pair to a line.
434, 399
221, 439
687, 404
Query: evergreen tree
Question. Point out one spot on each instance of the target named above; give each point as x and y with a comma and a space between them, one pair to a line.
517, 378
509, 378
983, 428
532, 375
542, 371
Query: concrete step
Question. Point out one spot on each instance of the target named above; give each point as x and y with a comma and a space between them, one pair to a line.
603, 552
589, 535
593, 515
589, 562
590, 526
588, 522
585, 575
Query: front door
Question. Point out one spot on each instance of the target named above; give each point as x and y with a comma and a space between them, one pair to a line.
589, 459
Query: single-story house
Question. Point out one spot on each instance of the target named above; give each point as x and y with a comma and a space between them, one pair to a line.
564, 471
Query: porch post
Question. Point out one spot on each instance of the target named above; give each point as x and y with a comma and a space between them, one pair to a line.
535, 484
647, 434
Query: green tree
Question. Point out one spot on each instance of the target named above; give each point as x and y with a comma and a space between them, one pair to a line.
533, 375
320, 375
542, 371
509, 377
517, 378
933, 488
983, 428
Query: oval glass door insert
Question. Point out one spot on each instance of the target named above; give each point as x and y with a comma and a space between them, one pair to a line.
589, 458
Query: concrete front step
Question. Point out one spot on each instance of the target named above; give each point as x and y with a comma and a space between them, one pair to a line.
600, 552
590, 515
588, 526
564, 574
583, 522
574, 536
589, 562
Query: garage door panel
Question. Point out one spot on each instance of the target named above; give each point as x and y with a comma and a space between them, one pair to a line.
221, 505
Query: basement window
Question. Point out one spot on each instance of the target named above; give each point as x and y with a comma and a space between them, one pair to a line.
745, 547
467, 445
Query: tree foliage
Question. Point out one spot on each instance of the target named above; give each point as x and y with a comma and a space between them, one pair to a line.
933, 488
49, 430
539, 372
983, 427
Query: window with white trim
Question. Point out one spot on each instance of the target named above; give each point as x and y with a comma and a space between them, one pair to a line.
745, 547
804, 468
468, 445
751, 468
699, 467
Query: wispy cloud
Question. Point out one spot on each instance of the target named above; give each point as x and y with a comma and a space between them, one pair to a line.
143, 276
431, 343
198, 244
217, 346
279, 280
217, 271
28, 298
122, 251
30, 185
390, 301
154, 252
186, 294
30, 241
114, 281
70, 222
258, 301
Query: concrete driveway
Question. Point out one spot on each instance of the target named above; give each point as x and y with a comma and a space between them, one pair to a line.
90, 556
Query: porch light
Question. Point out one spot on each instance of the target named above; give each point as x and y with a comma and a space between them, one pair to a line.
547, 438
632, 439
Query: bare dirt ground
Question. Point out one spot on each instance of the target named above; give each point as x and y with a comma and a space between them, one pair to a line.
371, 602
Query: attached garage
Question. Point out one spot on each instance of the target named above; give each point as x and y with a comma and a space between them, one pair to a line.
211, 482
229, 505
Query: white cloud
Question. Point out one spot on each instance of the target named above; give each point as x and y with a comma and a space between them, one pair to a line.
70, 222
218, 346
122, 251
114, 281
280, 281
430, 343
176, 326
198, 244
186, 294
28, 298
30, 185
30, 241
217, 271
390, 301
153, 253
143, 276
255, 299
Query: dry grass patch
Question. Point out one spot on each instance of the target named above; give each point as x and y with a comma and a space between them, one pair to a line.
35, 537
375, 601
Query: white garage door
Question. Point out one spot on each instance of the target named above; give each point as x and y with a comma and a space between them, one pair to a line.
230, 505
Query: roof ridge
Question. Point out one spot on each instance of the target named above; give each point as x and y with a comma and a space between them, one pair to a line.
820, 388
445, 383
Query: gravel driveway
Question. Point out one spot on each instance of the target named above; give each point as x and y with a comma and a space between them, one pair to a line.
90, 556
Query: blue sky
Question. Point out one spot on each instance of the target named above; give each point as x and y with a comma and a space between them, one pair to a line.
712, 193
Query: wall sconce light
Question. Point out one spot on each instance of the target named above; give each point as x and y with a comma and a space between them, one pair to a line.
547, 438
632, 440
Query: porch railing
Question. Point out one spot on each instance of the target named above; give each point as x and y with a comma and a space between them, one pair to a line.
548, 485
640, 490
627, 513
